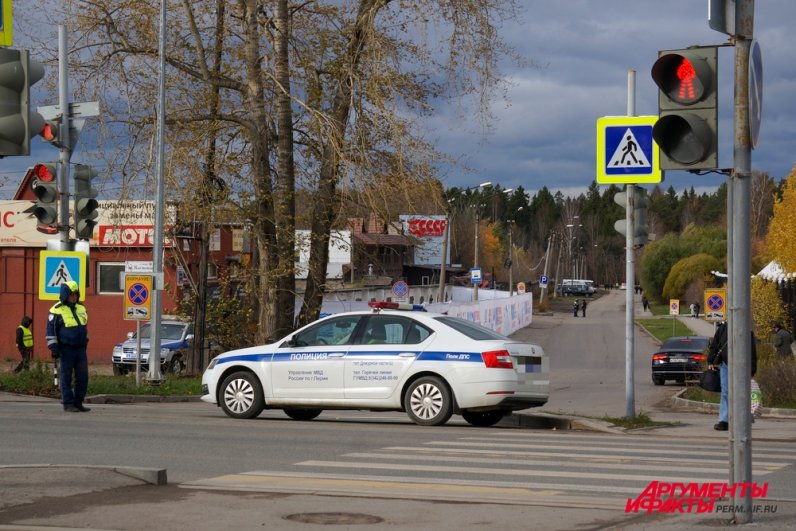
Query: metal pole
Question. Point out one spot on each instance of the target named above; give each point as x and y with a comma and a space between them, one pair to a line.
475, 259
558, 268
630, 392
511, 276
445, 235
740, 342
154, 374
65, 154
546, 258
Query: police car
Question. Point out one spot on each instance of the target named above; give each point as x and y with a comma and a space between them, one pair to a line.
428, 365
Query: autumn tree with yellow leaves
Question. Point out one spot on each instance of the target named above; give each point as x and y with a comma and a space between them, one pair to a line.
780, 244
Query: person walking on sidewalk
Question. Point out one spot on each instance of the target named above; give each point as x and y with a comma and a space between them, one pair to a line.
67, 339
782, 341
575, 306
645, 303
718, 357
583, 308
24, 344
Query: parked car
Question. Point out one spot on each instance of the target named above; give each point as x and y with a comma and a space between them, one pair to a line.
175, 339
579, 289
396, 357
679, 358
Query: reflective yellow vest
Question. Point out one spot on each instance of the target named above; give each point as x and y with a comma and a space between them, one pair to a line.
69, 317
27, 336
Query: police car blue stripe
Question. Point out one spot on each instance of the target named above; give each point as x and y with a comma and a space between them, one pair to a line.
472, 357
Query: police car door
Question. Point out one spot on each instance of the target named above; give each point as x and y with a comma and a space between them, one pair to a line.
381, 355
310, 363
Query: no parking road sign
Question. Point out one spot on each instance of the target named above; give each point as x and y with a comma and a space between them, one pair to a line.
138, 297
715, 302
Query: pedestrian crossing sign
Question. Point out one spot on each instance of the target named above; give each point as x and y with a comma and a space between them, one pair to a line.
59, 267
626, 152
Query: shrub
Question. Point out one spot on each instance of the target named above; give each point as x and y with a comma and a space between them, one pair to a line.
777, 379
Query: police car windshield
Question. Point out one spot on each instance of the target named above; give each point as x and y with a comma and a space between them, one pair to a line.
470, 329
167, 331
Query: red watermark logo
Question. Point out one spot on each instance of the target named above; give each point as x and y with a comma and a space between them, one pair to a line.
671, 497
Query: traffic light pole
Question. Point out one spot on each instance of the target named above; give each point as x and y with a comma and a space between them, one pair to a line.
739, 254
630, 392
66, 149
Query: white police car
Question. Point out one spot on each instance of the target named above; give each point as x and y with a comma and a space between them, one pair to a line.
429, 365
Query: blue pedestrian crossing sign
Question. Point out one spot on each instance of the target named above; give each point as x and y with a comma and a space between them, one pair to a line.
59, 267
626, 152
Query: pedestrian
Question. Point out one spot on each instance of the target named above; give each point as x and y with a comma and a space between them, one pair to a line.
645, 303
693, 309
782, 341
575, 306
718, 357
697, 308
67, 339
24, 344
583, 308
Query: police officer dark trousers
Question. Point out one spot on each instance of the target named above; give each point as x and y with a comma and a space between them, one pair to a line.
67, 338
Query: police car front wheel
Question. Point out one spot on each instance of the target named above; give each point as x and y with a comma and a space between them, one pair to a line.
241, 396
428, 401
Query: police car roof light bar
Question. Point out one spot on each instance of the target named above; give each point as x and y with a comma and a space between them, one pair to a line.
384, 305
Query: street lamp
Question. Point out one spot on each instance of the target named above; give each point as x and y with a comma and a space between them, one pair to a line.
446, 238
475, 258
511, 262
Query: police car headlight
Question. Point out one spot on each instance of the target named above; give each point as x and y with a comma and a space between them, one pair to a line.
164, 353
117, 349
212, 364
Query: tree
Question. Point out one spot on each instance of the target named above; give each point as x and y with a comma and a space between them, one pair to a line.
688, 277
779, 243
321, 97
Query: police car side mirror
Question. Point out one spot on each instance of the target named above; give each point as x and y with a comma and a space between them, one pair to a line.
292, 342
130, 335
189, 338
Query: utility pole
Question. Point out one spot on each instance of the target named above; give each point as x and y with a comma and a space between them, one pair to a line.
546, 258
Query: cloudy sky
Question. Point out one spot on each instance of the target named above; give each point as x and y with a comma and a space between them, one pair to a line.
544, 134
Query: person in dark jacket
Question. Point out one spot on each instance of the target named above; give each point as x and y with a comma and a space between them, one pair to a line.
67, 338
24, 343
583, 308
718, 357
782, 341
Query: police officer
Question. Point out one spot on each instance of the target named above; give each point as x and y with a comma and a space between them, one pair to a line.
24, 343
67, 338
575, 307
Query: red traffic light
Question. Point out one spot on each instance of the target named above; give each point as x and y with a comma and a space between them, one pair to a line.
683, 79
44, 172
49, 132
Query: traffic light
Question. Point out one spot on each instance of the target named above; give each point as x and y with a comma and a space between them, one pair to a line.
687, 129
51, 132
17, 123
85, 201
46, 190
639, 204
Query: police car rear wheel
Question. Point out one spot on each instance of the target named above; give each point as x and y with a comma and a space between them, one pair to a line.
241, 396
302, 414
483, 418
428, 401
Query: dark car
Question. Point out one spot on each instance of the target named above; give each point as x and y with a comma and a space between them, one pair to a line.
679, 358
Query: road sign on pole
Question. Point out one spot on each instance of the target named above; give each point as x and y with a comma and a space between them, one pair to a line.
138, 297
60, 267
626, 152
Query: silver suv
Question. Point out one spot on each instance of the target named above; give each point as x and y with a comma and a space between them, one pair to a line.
175, 339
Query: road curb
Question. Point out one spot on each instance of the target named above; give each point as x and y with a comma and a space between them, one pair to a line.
153, 476
708, 407
131, 399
